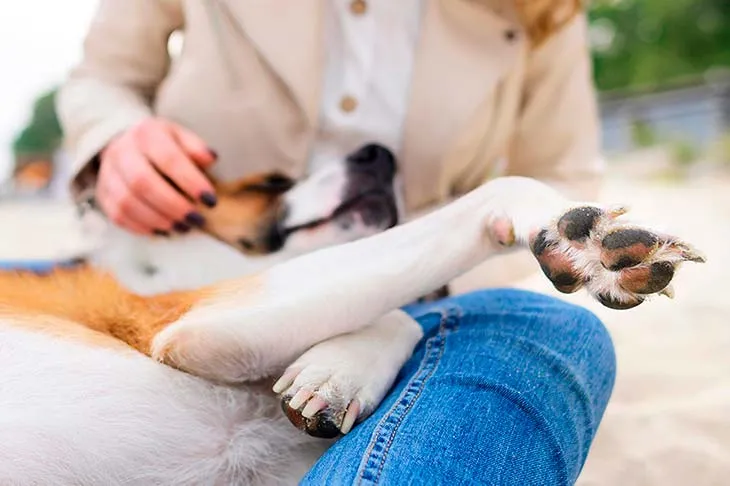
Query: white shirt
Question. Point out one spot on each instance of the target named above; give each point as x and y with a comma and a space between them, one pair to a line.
369, 54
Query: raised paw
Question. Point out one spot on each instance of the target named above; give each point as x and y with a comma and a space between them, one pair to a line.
619, 263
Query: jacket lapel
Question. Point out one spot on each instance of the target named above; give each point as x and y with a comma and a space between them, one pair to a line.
464, 50
289, 36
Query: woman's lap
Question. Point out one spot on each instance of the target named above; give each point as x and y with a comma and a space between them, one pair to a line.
507, 387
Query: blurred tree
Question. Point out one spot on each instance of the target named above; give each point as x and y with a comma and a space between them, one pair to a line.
42, 136
646, 43
34, 148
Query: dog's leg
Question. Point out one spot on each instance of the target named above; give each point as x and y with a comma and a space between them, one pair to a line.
343, 379
249, 331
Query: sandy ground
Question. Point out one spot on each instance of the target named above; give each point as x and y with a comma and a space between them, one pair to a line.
668, 422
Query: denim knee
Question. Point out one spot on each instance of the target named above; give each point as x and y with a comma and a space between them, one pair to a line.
554, 360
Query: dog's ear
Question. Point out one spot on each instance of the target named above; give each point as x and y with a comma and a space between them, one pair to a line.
274, 183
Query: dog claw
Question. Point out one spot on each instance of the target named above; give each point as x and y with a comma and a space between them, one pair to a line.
614, 212
352, 413
668, 292
315, 405
690, 254
285, 381
300, 398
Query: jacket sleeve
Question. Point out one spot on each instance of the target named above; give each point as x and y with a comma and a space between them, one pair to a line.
557, 137
125, 58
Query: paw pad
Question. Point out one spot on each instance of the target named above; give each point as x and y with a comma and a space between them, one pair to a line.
619, 264
321, 425
577, 224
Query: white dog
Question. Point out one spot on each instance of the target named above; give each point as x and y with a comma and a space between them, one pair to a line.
81, 402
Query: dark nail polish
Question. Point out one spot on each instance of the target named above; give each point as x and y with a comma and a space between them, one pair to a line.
195, 219
209, 199
213, 153
160, 232
181, 227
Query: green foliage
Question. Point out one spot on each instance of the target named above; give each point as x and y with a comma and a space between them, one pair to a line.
646, 43
683, 153
42, 136
642, 134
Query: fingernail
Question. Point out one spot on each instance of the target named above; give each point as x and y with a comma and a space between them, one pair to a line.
213, 153
209, 199
181, 227
160, 232
195, 219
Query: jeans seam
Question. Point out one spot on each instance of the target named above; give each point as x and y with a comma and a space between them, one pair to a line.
389, 425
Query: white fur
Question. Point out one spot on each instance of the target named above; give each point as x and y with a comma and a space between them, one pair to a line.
73, 414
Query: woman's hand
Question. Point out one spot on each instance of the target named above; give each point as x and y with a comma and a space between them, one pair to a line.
134, 186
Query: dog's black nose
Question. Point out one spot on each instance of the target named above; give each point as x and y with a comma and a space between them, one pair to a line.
374, 158
275, 239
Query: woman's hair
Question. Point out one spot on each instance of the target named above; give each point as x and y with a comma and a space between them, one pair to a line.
543, 18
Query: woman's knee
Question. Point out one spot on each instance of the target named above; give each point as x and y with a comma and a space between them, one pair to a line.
568, 331
553, 358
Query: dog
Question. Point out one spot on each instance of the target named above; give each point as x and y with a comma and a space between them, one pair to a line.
101, 385
259, 221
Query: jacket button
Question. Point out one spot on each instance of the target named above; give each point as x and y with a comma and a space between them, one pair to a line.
358, 7
348, 104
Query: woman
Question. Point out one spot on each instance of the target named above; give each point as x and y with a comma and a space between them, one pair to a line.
507, 387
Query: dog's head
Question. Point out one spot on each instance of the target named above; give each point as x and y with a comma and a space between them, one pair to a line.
340, 202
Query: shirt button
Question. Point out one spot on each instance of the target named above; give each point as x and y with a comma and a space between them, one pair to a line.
348, 104
358, 7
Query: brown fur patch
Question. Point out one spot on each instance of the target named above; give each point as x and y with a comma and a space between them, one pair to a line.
86, 298
246, 211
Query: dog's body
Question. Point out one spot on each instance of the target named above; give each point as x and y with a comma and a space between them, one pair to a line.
81, 402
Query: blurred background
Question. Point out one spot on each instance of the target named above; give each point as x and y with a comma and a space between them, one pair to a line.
663, 71
662, 68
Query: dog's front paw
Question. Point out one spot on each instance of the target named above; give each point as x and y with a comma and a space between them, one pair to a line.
320, 401
619, 263
341, 381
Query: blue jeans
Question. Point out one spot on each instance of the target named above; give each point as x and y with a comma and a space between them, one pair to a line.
506, 388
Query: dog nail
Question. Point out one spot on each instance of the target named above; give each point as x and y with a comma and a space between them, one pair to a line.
300, 397
352, 412
159, 232
195, 219
668, 292
286, 380
313, 407
209, 199
181, 227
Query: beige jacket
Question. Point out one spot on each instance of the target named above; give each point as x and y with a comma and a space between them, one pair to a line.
248, 81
